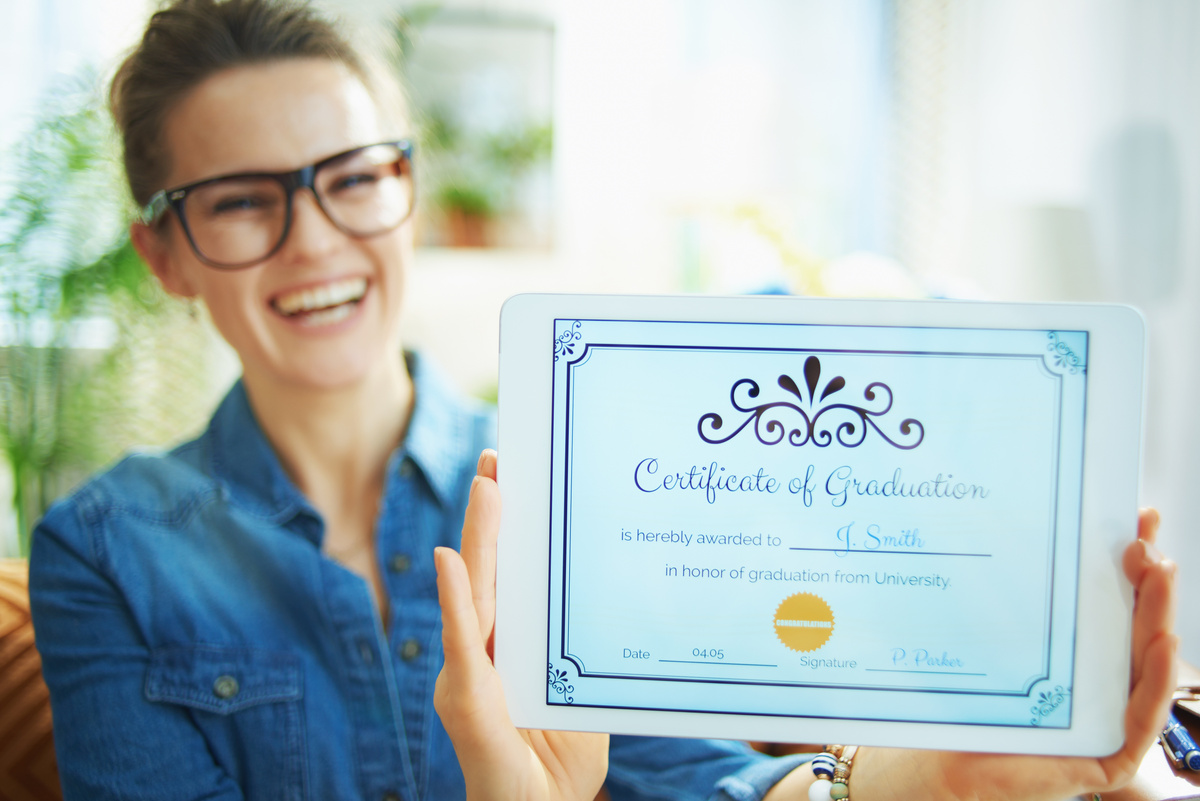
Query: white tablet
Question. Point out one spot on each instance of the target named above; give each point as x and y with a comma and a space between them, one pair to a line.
876, 522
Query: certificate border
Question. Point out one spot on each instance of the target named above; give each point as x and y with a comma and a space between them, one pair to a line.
572, 334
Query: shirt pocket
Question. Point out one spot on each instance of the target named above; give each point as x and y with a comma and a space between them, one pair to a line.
247, 703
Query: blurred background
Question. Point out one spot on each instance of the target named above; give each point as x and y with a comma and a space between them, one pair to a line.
997, 149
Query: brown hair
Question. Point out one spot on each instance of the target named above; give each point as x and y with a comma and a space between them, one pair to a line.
188, 41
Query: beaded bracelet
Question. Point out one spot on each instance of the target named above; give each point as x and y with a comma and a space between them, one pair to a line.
832, 769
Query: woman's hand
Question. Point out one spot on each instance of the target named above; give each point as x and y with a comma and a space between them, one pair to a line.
1154, 646
885, 773
498, 760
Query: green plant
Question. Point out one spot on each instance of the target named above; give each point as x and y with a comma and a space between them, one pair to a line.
67, 274
466, 198
517, 151
467, 168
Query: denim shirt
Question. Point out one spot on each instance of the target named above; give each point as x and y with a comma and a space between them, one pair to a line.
197, 643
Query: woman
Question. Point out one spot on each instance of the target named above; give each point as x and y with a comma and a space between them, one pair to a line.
253, 615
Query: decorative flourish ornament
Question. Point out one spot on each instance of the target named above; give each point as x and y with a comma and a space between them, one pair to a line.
1046, 702
1062, 355
851, 422
564, 343
557, 679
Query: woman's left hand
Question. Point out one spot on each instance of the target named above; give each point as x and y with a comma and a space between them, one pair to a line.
498, 760
886, 773
1154, 646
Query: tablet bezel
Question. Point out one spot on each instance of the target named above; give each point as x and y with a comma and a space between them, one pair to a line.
1112, 443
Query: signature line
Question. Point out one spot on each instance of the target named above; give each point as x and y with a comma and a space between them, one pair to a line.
939, 672
909, 553
700, 662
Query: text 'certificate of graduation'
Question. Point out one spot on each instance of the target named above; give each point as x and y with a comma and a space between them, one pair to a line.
873, 523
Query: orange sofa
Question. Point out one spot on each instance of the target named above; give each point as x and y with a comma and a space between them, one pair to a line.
28, 771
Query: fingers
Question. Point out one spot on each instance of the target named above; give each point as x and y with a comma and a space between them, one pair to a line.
1142, 552
1153, 579
481, 526
461, 641
1147, 711
486, 466
1148, 520
1138, 557
1153, 613
1154, 647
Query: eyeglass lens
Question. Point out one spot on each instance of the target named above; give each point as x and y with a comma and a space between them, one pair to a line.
241, 220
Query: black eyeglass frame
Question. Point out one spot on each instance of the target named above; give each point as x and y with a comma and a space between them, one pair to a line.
291, 180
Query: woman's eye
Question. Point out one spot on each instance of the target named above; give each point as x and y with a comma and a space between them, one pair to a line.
240, 203
353, 180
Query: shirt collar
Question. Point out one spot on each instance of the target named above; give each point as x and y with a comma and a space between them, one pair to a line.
245, 463
243, 460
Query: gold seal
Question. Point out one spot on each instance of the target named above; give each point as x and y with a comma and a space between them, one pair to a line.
803, 622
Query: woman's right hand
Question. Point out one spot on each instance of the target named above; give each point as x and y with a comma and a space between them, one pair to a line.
498, 760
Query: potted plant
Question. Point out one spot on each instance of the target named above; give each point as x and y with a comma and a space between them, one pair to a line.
68, 277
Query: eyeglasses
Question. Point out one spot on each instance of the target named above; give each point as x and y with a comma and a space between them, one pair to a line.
235, 221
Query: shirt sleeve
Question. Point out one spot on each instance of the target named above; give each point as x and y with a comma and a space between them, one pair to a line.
664, 769
111, 742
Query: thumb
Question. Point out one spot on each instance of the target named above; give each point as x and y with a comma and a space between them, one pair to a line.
481, 527
466, 657
468, 696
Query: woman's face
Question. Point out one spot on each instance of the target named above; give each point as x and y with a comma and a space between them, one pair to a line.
283, 316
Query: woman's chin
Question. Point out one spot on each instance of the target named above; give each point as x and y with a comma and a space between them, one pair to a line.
321, 369
338, 374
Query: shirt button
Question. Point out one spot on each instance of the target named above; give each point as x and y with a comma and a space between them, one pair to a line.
410, 650
366, 652
225, 687
399, 563
391, 797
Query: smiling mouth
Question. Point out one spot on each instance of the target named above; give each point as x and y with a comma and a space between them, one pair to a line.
322, 305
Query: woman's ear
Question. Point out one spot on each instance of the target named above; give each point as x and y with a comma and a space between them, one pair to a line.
152, 246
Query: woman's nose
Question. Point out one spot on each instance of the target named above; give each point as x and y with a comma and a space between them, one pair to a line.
312, 232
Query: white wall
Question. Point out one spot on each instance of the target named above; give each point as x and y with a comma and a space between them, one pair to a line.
40, 39
1071, 170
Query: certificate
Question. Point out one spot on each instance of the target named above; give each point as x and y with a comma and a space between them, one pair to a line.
827, 522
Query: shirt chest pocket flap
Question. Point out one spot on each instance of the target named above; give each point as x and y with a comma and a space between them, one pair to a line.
247, 703
222, 679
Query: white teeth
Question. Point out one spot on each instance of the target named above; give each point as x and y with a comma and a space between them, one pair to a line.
327, 316
326, 296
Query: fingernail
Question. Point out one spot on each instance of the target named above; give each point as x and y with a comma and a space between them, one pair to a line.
479, 464
1151, 554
